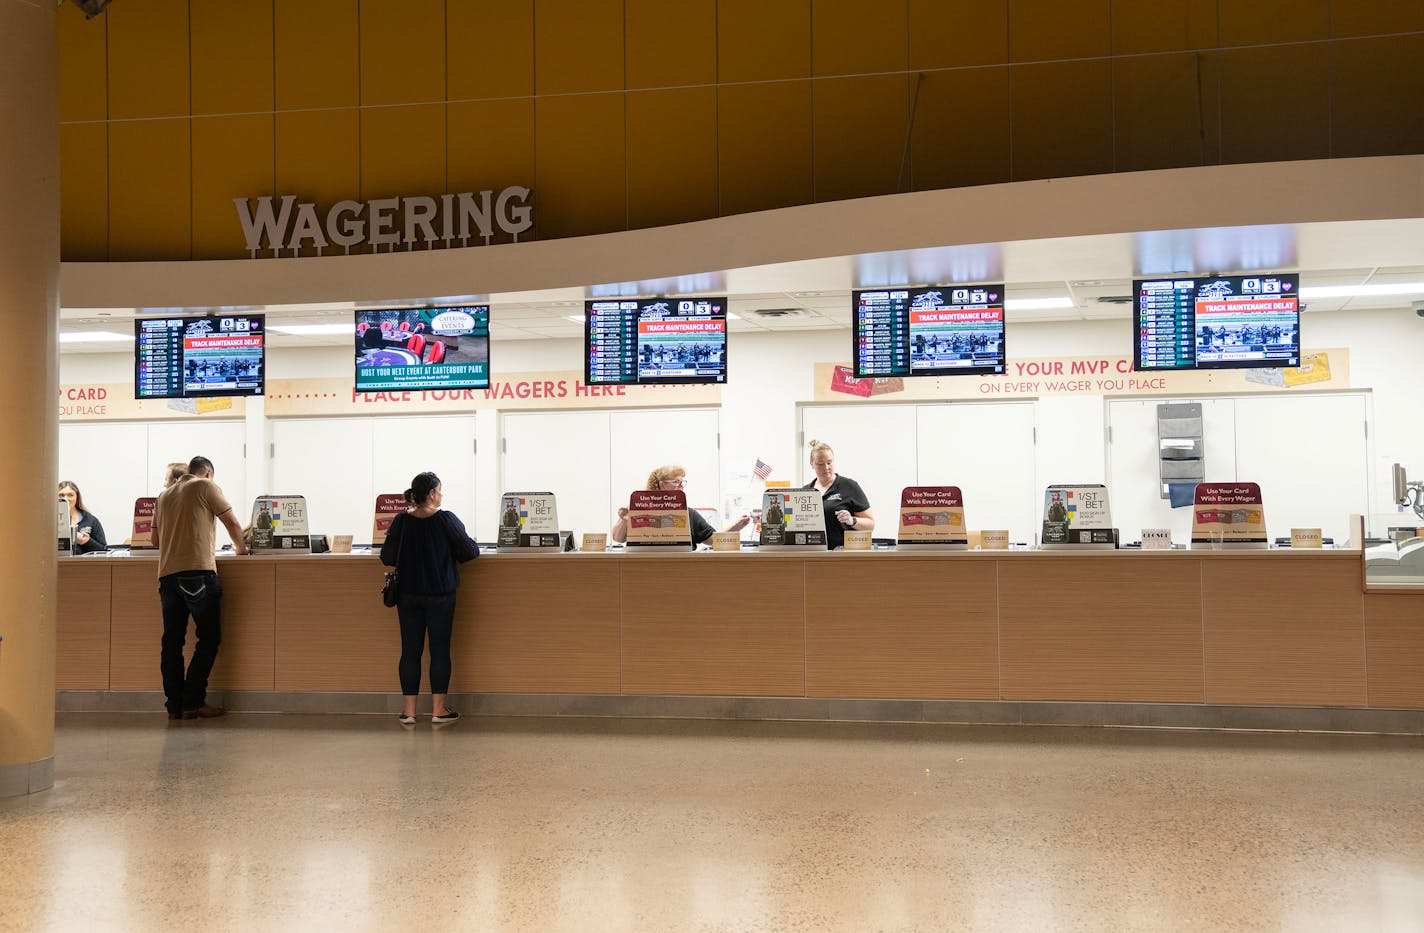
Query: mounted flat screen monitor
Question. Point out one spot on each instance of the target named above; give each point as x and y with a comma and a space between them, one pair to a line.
409, 349
655, 341
200, 357
1250, 321
954, 330
1217, 322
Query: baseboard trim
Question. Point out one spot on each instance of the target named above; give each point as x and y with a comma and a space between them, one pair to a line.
809, 709
26, 777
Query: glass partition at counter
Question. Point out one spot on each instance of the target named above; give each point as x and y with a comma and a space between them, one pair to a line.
1398, 561
1398, 558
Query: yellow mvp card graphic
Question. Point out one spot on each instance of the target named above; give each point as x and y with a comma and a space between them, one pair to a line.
1314, 367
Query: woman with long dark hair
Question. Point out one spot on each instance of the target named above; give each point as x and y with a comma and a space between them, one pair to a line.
426, 546
88, 530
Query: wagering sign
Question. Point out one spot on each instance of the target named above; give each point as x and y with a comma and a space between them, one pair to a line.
285, 223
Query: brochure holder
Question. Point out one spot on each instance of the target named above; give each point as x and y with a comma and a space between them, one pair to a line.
1078, 518
1180, 457
1229, 515
279, 523
932, 519
792, 519
529, 522
658, 521
388, 506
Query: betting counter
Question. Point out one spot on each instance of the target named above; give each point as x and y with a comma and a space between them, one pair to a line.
1277, 628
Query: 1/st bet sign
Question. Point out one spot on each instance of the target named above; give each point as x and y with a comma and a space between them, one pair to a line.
276, 224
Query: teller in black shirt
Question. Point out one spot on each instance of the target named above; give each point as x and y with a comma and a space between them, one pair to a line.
845, 502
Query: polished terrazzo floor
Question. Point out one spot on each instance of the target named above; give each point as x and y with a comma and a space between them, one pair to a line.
260, 822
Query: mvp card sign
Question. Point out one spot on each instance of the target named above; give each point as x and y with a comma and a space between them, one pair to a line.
1229, 515
142, 534
932, 517
388, 506
658, 519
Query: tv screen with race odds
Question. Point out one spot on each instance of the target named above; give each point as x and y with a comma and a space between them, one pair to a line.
944, 330
200, 357
655, 341
1216, 322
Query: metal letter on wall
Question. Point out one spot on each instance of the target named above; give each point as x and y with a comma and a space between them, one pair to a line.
275, 224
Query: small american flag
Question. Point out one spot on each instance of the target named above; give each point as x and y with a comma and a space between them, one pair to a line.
762, 470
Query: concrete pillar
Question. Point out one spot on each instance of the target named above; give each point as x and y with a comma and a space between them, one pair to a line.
29, 384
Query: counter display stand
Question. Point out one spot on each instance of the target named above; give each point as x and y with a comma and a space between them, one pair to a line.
1230, 516
141, 536
1078, 518
932, 519
529, 522
388, 506
64, 531
279, 523
792, 519
658, 522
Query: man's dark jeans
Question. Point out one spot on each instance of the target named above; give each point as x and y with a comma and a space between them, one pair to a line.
198, 592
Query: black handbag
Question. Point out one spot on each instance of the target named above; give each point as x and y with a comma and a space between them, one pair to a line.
390, 592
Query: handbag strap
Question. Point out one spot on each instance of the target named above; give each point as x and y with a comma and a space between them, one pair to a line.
400, 545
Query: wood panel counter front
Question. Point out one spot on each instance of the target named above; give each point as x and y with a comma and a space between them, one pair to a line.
1276, 628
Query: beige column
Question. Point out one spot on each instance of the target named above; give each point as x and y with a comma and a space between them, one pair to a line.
29, 439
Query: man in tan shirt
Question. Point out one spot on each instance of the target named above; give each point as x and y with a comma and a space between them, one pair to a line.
184, 532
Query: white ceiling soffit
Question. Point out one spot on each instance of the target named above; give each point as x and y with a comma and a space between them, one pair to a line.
1094, 270
1195, 199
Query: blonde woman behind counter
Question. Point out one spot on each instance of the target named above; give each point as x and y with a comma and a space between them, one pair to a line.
845, 502
666, 479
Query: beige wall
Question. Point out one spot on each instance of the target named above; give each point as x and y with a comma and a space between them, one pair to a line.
626, 114
29, 300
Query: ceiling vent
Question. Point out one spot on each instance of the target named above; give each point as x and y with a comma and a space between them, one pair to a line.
780, 312
1114, 299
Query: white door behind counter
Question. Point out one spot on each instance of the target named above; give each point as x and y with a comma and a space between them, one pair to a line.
1312, 452
984, 448
592, 460
341, 464
875, 445
1134, 472
1309, 453
563, 452
117, 462
222, 442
